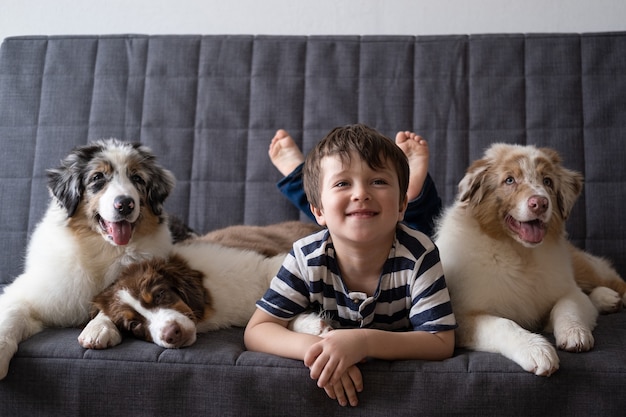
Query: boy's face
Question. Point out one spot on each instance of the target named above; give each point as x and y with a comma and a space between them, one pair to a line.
357, 203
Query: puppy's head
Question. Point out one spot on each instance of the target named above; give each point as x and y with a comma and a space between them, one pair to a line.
158, 300
111, 186
520, 191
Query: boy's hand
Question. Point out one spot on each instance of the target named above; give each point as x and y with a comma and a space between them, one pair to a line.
330, 358
345, 391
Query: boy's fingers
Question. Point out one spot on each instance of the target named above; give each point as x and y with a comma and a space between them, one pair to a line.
312, 354
340, 394
330, 391
356, 377
325, 371
349, 389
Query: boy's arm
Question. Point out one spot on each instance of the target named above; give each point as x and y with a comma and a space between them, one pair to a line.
329, 358
410, 345
268, 334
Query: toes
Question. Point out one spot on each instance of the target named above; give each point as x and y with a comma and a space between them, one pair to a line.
606, 300
575, 340
539, 357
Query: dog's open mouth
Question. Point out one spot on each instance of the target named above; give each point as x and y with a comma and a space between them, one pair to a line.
119, 232
532, 231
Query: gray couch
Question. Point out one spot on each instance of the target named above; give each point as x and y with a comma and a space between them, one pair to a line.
208, 106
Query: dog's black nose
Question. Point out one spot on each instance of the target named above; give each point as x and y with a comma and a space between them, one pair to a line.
124, 205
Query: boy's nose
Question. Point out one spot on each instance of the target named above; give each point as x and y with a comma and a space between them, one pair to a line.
359, 193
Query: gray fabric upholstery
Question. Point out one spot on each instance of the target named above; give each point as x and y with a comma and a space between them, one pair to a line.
208, 106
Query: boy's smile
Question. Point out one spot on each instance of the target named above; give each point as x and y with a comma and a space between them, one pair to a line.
362, 213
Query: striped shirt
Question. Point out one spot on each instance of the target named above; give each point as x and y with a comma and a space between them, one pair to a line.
411, 293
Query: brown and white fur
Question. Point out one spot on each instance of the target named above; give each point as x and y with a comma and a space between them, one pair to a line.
105, 213
508, 265
203, 285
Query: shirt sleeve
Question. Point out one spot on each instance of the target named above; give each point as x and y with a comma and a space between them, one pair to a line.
431, 309
288, 294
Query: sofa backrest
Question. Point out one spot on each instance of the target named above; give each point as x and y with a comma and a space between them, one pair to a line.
209, 105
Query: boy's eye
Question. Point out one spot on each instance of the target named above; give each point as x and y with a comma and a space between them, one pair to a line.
341, 184
379, 182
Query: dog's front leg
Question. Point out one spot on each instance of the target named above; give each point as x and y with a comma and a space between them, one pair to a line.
16, 324
572, 320
100, 333
487, 333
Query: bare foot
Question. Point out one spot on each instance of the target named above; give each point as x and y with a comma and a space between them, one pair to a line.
284, 153
416, 150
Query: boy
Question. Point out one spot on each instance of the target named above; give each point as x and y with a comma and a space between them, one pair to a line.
371, 276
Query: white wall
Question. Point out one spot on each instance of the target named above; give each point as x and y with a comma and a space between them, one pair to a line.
299, 17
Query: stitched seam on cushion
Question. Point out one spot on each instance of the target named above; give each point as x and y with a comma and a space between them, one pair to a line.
585, 222
143, 99
94, 67
525, 87
249, 129
196, 129
31, 224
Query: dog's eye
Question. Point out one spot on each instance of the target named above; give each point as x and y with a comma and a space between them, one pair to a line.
137, 329
547, 182
97, 177
509, 181
96, 182
137, 179
159, 296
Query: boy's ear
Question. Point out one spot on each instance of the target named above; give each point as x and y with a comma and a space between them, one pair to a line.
403, 207
319, 215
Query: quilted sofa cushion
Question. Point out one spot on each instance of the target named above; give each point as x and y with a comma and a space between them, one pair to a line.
208, 106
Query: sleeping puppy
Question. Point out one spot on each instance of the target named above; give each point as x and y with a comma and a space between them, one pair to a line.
509, 267
202, 286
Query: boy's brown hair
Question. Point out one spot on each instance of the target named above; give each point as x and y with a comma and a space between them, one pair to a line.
373, 147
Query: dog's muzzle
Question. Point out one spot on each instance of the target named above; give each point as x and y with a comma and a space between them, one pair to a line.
119, 231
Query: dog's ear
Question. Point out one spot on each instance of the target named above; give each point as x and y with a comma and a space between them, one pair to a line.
161, 181
160, 186
188, 283
103, 302
470, 187
66, 183
569, 186
107, 302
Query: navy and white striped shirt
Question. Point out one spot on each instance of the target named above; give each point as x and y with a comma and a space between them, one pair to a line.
411, 293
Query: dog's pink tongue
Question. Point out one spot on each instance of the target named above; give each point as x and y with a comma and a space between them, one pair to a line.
532, 232
121, 232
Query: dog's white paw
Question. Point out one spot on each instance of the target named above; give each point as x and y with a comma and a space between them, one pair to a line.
538, 356
7, 350
575, 338
100, 333
310, 323
605, 300
4, 364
